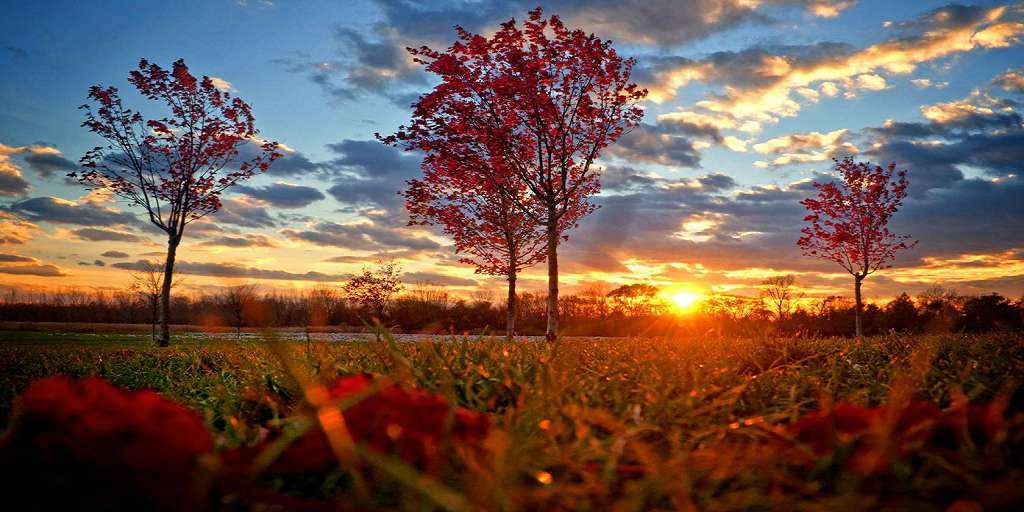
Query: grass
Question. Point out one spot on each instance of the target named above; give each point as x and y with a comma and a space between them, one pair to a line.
571, 414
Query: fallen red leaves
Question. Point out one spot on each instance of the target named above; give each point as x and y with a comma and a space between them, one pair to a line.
85, 444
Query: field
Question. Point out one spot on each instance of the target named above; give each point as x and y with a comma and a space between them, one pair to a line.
617, 424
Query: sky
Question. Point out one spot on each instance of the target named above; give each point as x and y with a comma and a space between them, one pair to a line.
749, 101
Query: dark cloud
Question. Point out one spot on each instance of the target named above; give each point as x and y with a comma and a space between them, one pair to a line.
241, 213
235, 271
362, 237
435, 278
47, 164
370, 174
16, 258
283, 195
33, 270
97, 263
11, 181
663, 143
61, 211
250, 240
115, 254
107, 235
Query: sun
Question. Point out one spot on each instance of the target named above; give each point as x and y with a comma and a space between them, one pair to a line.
685, 301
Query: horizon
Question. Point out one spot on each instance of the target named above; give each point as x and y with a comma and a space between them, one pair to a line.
746, 108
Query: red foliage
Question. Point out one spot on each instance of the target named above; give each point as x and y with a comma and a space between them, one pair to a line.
87, 445
849, 220
175, 167
873, 438
413, 424
523, 115
488, 229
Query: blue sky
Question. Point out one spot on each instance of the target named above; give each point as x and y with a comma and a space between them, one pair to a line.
772, 91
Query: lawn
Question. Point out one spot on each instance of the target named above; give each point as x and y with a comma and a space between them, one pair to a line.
623, 424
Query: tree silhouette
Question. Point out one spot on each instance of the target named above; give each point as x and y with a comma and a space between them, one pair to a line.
529, 107
849, 222
175, 167
777, 293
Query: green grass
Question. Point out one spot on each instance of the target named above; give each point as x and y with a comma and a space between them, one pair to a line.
660, 402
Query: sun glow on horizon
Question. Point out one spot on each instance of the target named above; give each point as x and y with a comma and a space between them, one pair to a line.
685, 301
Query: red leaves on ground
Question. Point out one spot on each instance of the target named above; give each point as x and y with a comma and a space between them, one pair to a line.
85, 444
413, 424
872, 438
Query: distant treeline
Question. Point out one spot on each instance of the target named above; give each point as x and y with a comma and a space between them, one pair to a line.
429, 309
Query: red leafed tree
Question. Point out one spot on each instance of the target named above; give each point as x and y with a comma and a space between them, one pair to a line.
489, 231
175, 167
849, 221
373, 289
533, 106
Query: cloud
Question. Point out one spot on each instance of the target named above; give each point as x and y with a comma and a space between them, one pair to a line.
62, 211
806, 147
663, 143
361, 236
759, 82
249, 240
221, 84
241, 212
1012, 80
115, 254
370, 174
14, 230
16, 258
107, 235
283, 195
11, 181
235, 271
436, 278
33, 270
47, 161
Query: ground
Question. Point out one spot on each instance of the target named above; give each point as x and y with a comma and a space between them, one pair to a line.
629, 424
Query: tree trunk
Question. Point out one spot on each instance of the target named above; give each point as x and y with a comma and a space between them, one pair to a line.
858, 307
165, 293
510, 323
552, 309
154, 310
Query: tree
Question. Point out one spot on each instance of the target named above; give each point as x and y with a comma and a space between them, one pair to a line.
849, 222
239, 302
777, 293
489, 231
635, 299
373, 289
148, 284
529, 109
174, 167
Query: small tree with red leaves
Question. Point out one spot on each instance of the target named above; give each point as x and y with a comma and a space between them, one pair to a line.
532, 108
175, 167
849, 221
373, 289
489, 231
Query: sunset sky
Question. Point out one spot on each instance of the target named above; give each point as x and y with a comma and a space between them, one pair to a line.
749, 101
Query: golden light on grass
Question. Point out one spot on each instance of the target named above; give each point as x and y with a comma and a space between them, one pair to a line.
685, 301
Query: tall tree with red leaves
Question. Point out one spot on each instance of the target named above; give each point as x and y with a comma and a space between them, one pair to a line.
175, 167
489, 231
532, 108
849, 221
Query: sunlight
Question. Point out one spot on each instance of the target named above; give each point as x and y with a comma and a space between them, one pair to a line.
684, 302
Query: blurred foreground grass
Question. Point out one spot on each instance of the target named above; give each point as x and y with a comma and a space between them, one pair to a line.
571, 412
